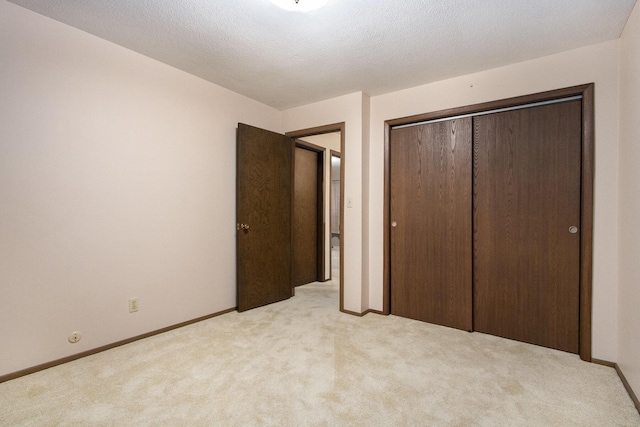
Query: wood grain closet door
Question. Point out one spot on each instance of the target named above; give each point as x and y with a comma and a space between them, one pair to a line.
430, 173
526, 198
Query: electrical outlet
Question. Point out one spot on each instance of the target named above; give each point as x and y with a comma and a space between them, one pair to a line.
75, 337
133, 305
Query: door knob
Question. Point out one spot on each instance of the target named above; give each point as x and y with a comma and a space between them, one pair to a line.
394, 224
573, 229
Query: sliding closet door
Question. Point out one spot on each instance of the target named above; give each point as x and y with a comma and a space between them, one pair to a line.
526, 219
430, 178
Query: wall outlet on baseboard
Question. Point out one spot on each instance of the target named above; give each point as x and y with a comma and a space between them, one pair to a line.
133, 305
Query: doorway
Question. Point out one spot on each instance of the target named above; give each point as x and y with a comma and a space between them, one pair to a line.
516, 227
264, 211
330, 137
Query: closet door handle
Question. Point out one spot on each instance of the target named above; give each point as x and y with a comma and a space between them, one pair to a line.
394, 224
573, 229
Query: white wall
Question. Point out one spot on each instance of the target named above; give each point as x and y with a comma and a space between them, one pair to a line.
348, 109
598, 64
330, 141
629, 235
117, 180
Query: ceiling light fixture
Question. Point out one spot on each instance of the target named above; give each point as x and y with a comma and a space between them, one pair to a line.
299, 5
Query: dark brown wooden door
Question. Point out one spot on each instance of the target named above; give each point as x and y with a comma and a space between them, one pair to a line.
431, 188
263, 209
305, 217
526, 197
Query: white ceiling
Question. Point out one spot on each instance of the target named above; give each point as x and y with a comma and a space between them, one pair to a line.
285, 59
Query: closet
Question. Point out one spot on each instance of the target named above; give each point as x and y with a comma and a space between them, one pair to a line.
485, 221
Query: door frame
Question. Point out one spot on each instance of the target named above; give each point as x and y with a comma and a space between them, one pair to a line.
321, 203
319, 130
586, 91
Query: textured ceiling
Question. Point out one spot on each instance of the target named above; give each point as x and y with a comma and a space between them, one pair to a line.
285, 59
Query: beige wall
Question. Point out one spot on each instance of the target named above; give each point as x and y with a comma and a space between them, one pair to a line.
330, 141
629, 235
117, 180
598, 64
348, 109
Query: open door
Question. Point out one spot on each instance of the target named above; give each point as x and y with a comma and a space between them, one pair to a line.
308, 214
263, 214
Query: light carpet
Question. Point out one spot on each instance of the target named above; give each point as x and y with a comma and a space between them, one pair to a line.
303, 363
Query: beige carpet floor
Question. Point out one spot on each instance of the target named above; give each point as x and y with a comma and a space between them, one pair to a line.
303, 363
